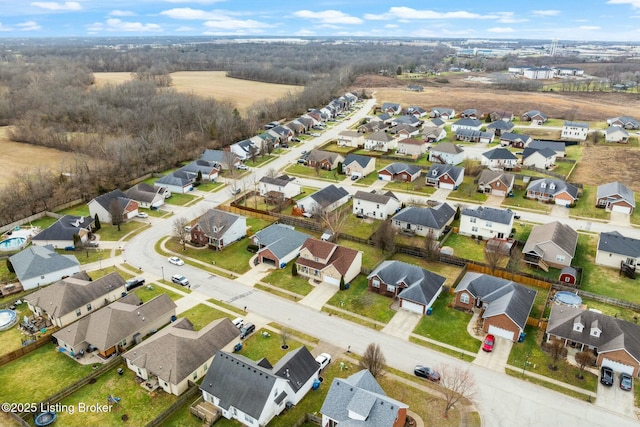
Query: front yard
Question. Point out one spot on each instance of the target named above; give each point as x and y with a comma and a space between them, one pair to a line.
201, 315
586, 206
359, 300
418, 186
518, 201
468, 190
178, 199
110, 232
309, 172
282, 278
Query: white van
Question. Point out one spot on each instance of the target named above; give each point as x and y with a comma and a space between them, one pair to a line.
238, 322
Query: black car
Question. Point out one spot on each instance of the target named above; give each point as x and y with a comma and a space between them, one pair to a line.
607, 376
284, 145
428, 373
626, 382
133, 283
247, 329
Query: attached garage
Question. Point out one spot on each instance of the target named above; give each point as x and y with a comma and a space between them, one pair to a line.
621, 208
499, 332
446, 186
384, 177
500, 193
331, 280
412, 306
617, 366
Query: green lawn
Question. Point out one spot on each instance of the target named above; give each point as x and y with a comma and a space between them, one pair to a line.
451, 272
371, 255
178, 199
96, 274
448, 325
586, 206
282, 278
139, 406
466, 247
335, 148
256, 224
210, 186
367, 180
359, 227
260, 160
43, 222
201, 315
539, 361
468, 190
309, 172
87, 255
77, 210
518, 201
12, 338
149, 291
39, 374
635, 216
612, 310
257, 346
417, 186
563, 168
110, 232
359, 300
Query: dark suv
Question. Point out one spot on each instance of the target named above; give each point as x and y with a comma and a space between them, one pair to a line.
133, 283
246, 330
607, 376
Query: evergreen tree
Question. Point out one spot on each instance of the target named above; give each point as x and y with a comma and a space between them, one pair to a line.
96, 222
294, 270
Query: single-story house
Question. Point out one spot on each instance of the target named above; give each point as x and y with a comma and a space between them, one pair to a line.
552, 244
245, 149
515, 140
102, 206
207, 168
543, 158
380, 141
60, 233
445, 176
558, 147
391, 108
415, 287
505, 305
486, 222
253, 393
624, 122
225, 159
614, 250
534, 116
178, 182
434, 122
281, 184
499, 159
400, 172
412, 147
345, 404
575, 130
324, 200
350, 138
68, 299
422, 221
358, 165
616, 197
446, 152
471, 124
416, 111
327, 160
328, 262
433, 134
117, 326
615, 342
37, 266
178, 354
375, 205
147, 196
552, 190
403, 131
218, 229
499, 127
496, 183
472, 135
506, 116
470, 113
278, 244
443, 113
616, 134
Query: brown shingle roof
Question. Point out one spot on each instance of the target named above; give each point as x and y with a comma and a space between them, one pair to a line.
341, 258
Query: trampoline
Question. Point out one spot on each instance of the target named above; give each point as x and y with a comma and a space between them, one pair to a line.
45, 418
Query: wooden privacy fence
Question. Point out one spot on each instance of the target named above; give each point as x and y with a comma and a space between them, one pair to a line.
17, 354
191, 392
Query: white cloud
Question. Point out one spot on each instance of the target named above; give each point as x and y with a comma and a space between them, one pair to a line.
632, 3
5, 28
117, 25
227, 23
550, 12
195, 1
330, 17
589, 27
122, 13
304, 32
509, 18
188, 13
409, 13
391, 26
52, 5
29, 26
500, 30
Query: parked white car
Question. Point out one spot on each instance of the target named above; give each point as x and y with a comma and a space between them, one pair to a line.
142, 215
323, 360
176, 261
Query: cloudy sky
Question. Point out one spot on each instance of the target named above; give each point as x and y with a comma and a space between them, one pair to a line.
616, 20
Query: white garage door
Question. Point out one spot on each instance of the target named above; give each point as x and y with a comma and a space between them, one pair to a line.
499, 332
617, 366
621, 209
498, 193
412, 306
331, 280
384, 177
446, 186
561, 202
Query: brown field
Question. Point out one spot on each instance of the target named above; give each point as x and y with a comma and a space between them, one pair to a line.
602, 164
214, 84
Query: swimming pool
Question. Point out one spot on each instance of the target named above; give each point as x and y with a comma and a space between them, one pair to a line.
12, 243
8, 318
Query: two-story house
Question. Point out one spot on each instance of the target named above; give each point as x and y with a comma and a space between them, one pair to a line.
615, 250
380, 141
422, 221
486, 222
282, 184
575, 130
327, 262
471, 124
375, 205
499, 159
446, 152
324, 200
218, 229
445, 176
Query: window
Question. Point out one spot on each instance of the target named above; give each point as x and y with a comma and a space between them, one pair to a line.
195, 375
398, 223
488, 225
472, 220
391, 288
378, 206
375, 283
464, 298
88, 307
474, 229
560, 258
315, 258
78, 312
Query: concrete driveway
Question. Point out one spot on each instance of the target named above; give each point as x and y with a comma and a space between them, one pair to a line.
560, 211
494, 201
319, 296
402, 324
615, 399
497, 359
619, 218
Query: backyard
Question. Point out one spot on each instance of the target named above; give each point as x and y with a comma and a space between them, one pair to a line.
309, 172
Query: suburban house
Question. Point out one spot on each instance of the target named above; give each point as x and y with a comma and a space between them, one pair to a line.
358, 165
505, 116
344, 404
147, 196
372, 126
416, 111
499, 159
471, 135
407, 120
535, 117
206, 168
624, 122
471, 124
391, 108
421, 221
327, 160
37, 266
278, 244
225, 159
324, 200
102, 205
615, 342
615, 250
616, 134
400, 172
245, 149
552, 244
60, 233
499, 127
380, 141
68, 299
415, 287
504, 305
412, 147
350, 138
616, 197
178, 354
432, 134
486, 222
113, 328
282, 184
515, 140
552, 191
446, 152
575, 130
496, 183
218, 229
375, 205
544, 158
178, 182
253, 393
403, 131
327, 262
470, 113
558, 147
443, 113
445, 176
434, 122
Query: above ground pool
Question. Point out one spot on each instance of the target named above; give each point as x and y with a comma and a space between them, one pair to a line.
12, 243
568, 298
8, 318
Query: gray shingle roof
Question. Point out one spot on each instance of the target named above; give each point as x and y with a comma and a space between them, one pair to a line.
328, 195
616, 190
487, 176
372, 196
177, 178
64, 228
142, 192
440, 111
396, 168
435, 217
104, 200
503, 216
576, 124
501, 124
534, 113
36, 261
558, 147
320, 155
503, 296
219, 219
363, 161
447, 147
279, 181
381, 136
616, 243
565, 237
544, 152
472, 133
627, 121
421, 285
508, 136
280, 239
468, 122
544, 186
437, 170
499, 154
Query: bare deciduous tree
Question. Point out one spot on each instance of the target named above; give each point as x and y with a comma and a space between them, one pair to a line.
180, 231
373, 360
584, 358
431, 246
494, 256
334, 221
284, 336
557, 350
116, 212
457, 383
272, 173
385, 237
515, 260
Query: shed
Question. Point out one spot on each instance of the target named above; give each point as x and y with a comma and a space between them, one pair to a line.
568, 275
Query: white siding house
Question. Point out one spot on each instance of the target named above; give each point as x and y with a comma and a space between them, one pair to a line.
486, 222
373, 205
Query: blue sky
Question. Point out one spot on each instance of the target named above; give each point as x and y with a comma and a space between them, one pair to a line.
615, 20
